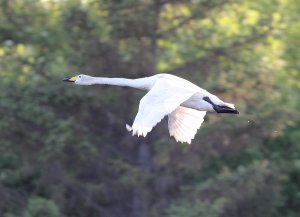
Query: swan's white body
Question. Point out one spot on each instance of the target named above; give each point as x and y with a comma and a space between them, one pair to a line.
168, 95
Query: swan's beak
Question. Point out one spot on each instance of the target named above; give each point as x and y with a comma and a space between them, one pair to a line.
72, 79
225, 109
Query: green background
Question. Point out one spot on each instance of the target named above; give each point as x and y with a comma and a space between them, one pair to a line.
64, 149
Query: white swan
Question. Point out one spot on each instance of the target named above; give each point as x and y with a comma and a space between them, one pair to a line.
184, 102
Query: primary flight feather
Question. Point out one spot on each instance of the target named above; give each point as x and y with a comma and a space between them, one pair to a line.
184, 102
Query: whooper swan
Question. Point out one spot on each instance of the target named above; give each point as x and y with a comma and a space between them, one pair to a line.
184, 102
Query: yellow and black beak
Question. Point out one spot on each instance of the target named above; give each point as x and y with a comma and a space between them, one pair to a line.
72, 79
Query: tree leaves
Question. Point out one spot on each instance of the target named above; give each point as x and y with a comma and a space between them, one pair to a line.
65, 150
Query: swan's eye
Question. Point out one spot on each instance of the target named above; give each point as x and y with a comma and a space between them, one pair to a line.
79, 76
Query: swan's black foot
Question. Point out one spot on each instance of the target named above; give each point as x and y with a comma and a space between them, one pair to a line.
221, 108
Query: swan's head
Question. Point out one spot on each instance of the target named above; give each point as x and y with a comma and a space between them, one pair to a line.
80, 79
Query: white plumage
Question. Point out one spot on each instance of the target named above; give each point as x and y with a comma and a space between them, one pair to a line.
184, 103
184, 122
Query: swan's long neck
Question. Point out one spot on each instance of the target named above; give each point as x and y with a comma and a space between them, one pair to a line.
140, 83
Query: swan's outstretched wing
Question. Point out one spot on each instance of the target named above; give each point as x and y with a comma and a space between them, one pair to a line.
164, 97
184, 122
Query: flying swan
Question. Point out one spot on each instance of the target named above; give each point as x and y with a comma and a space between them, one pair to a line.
184, 102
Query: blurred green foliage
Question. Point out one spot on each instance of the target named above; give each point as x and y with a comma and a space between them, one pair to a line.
64, 149
39, 207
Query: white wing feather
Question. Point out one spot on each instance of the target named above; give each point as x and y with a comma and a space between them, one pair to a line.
164, 97
184, 122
